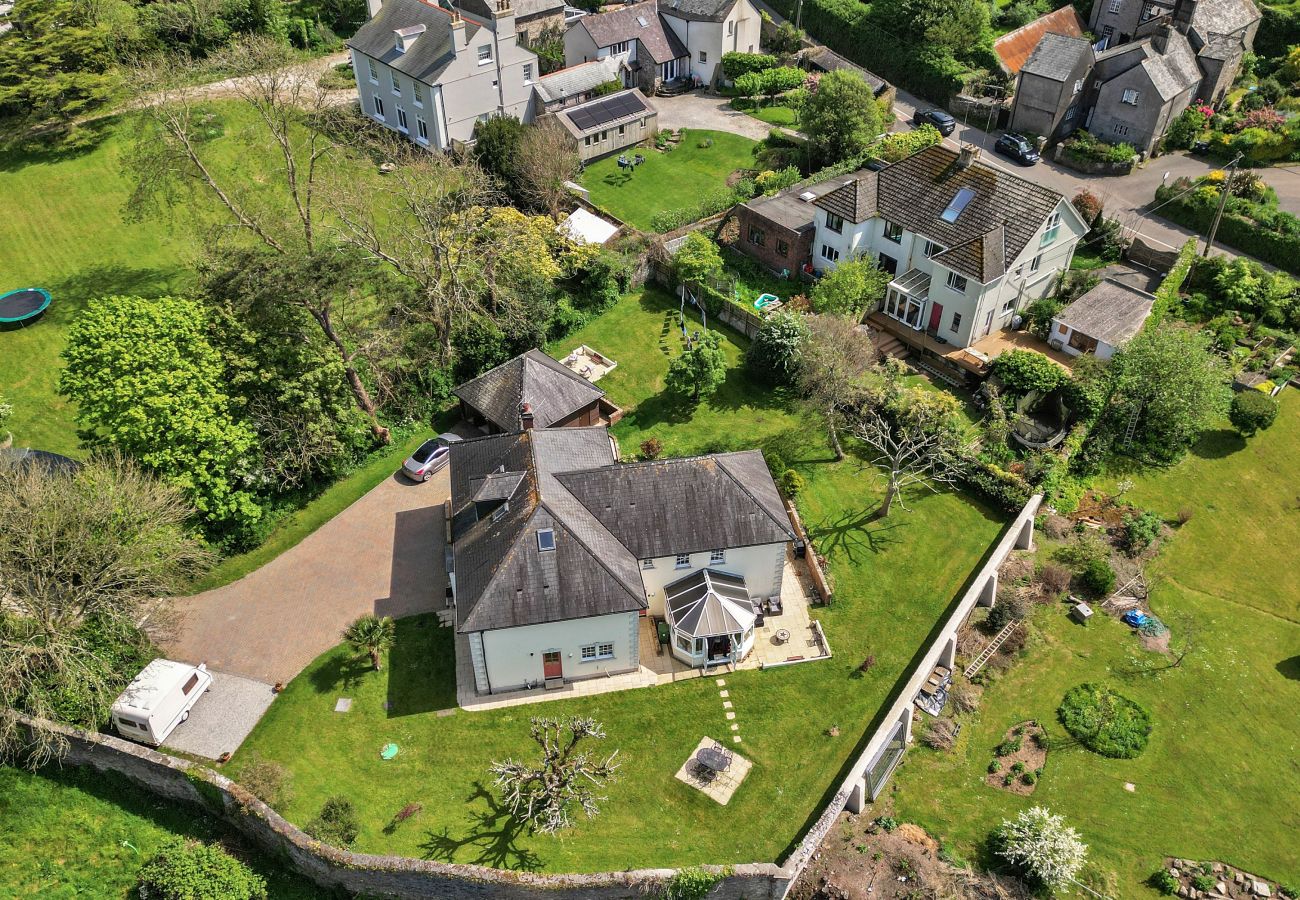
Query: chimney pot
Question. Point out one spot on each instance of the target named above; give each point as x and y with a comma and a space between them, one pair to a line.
526, 415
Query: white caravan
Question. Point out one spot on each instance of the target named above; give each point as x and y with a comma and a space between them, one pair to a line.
159, 699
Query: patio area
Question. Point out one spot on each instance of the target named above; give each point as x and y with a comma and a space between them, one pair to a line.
974, 359
714, 770
589, 364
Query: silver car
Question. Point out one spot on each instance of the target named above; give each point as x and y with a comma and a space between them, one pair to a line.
430, 457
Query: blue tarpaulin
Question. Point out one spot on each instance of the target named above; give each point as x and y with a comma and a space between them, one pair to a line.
1136, 617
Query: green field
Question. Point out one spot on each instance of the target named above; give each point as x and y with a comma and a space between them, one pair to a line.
1219, 778
79, 833
771, 113
680, 178
893, 580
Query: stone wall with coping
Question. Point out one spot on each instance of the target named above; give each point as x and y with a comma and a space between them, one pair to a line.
414, 879
389, 876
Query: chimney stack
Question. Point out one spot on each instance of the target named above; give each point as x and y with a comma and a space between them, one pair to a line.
967, 155
1184, 12
526, 416
459, 38
373, 7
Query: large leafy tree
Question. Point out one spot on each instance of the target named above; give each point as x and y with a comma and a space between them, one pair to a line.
547, 160
699, 370
84, 556
955, 25
841, 119
853, 286
58, 61
834, 361
1043, 846
773, 355
283, 377
147, 381
1169, 383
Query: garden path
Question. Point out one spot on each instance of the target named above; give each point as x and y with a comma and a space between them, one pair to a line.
381, 555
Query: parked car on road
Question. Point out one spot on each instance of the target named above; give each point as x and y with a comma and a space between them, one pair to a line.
1018, 148
936, 117
429, 457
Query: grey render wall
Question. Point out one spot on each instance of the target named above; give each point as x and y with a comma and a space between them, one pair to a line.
415, 879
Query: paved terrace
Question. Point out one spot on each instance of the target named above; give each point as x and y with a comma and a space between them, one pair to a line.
806, 643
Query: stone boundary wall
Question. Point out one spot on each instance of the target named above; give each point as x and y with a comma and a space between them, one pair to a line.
389, 876
1092, 166
414, 879
852, 793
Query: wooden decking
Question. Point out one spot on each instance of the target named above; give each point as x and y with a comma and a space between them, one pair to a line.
975, 359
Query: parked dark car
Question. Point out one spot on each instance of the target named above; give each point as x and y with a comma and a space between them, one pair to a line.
936, 117
1018, 148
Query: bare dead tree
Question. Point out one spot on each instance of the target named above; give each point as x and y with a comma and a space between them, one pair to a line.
547, 159
540, 796
832, 363
909, 453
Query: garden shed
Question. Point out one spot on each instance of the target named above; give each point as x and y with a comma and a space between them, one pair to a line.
1102, 320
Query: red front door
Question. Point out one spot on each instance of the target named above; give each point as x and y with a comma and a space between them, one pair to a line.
936, 316
551, 665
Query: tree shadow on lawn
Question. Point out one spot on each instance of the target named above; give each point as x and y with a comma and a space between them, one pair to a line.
617, 179
1290, 668
341, 671
1219, 443
664, 408
492, 838
20, 153
70, 295
855, 530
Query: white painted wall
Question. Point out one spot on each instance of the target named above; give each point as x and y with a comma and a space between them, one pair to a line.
580, 48
761, 566
1063, 333
514, 655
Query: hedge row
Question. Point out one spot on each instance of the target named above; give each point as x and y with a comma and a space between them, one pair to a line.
1196, 211
1167, 293
845, 26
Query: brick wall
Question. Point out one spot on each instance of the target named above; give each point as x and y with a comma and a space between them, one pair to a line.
798, 245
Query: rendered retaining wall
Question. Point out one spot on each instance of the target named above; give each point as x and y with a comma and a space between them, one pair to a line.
403, 877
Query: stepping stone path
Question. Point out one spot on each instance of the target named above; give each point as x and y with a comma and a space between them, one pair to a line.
728, 710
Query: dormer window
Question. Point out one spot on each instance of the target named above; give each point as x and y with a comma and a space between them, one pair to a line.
403, 38
484, 54
500, 511
545, 540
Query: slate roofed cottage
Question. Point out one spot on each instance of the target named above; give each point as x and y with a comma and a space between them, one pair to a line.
533, 391
558, 551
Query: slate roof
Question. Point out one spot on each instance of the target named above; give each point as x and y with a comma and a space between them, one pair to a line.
995, 227
1173, 71
578, 79
828, 60
1223, 16
1057, 55
605, 517
709, 603
697, 10
1112, 312
526, 8
553, 391
616, 26
1016, 47
431, 52
664, 507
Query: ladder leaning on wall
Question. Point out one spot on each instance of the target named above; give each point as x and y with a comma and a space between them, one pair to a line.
992, 648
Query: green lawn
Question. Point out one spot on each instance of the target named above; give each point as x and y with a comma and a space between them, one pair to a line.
771, 113
671, 180
78, 833
893, 580
1218, 780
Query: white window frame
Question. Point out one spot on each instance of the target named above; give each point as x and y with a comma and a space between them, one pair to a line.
421, 130
931, 249
417, 93
1009, 306
957, 283
402, 123
484, 54
1078, 85
528, 73
956, 323
1116, 6
1051, 231
621, 47
717, 556
373, 71
684, 644
542, 531
683, 561
647, 564
605, 650
601, 650
1130, 96
731, 27
829, 253
378, 103
1035, 263
704, 57
396, 84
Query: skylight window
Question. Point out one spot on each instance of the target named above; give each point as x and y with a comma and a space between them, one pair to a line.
545, 540
958, 205
640, 20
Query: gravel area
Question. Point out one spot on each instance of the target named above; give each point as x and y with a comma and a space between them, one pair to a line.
223, 717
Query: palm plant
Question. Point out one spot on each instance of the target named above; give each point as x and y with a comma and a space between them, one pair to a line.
372, 635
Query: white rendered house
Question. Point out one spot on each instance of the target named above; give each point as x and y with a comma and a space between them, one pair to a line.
431, 73
558, 551
968, 244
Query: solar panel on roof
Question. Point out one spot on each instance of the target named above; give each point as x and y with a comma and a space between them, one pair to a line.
958, 204
594, 115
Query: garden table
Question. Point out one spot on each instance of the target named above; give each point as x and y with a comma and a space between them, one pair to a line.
714, 759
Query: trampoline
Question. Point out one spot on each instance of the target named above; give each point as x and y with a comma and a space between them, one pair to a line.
23, 305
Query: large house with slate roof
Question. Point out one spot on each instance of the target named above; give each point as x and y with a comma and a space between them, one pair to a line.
968, 244
533, 391
659, 41
558, 550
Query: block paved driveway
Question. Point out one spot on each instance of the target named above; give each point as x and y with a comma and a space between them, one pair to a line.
383, 554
